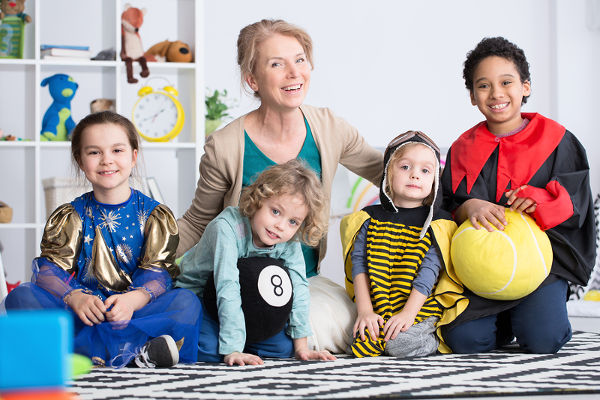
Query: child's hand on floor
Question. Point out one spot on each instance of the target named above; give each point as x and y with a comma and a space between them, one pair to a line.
237, 358
302, 352
482, 213
89, 308
307, 354
369, 320
123, 305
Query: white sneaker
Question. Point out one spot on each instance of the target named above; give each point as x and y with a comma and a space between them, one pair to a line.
160, 352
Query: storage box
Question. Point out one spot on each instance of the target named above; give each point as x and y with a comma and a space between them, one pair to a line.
58, 191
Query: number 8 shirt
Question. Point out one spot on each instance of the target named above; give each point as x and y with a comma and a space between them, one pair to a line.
226, 239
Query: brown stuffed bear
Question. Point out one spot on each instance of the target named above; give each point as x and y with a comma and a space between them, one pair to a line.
176, 51
14, 8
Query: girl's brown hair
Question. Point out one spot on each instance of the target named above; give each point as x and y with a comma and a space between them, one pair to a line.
253, 35
292, 178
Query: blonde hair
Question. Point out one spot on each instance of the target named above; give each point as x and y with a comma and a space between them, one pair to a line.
251, 36
427, 201
292, 178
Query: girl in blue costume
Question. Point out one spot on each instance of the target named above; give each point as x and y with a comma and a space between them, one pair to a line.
108, 257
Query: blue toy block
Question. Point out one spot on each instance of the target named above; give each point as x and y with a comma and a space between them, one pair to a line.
35, 349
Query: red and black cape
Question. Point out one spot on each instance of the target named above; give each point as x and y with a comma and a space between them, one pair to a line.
553, 163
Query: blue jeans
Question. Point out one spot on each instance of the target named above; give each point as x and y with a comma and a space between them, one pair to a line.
278, 346
540, 324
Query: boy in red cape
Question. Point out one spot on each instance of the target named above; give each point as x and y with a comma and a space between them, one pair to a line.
533, 165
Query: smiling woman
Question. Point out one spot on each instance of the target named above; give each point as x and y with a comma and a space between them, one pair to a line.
275, 60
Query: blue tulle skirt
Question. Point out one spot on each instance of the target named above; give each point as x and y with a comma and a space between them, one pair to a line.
176, 313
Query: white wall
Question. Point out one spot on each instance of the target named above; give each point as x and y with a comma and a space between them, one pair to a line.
577, 84
389, 66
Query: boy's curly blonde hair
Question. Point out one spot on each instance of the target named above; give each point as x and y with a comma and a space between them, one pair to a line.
292, 178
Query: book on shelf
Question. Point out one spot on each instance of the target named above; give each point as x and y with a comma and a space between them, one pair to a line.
63, 46
63, 59
60, 52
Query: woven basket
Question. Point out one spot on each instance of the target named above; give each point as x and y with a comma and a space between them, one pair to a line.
6, 213
58, 191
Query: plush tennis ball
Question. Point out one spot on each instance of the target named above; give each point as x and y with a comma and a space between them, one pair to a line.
502, 265
266, 291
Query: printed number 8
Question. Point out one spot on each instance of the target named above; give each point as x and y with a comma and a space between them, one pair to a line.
277, 285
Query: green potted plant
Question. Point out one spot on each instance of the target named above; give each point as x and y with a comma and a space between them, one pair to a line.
216, 110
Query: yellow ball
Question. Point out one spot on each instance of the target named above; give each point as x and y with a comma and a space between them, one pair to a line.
502, 265
592, 295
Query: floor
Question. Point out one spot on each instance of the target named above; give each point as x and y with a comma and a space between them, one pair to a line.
584, 324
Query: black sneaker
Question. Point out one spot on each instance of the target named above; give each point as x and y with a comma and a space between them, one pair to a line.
160, 352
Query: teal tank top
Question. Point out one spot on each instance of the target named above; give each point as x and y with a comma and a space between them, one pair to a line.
255, 161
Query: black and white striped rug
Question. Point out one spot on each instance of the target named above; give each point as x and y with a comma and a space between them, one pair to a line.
574, 370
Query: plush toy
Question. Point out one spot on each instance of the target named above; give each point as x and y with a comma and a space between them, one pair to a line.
14, 8
502, 265
98, 105
176, 51
12, 31
267, 295
131, 43
106, 55
57, 123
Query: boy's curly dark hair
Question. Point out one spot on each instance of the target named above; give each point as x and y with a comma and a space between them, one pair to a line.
500, 47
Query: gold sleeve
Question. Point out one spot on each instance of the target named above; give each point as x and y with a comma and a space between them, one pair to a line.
162, 237
61, 241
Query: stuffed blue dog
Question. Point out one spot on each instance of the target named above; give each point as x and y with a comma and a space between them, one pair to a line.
57, 123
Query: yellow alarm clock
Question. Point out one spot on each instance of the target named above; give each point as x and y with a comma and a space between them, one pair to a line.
158, 115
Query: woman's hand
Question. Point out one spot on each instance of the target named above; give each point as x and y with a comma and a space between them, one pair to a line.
370, 320
302, 352
482, 213
520, 204
89, 308
237, 358
398, 323
124, 305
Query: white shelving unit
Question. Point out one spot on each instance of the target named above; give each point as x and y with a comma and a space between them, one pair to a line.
23, 102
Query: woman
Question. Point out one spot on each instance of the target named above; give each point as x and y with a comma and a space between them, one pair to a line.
275, 60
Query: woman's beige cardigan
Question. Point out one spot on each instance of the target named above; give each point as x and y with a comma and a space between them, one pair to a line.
221, 168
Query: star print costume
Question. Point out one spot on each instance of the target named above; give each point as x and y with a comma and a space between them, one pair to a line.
105, 249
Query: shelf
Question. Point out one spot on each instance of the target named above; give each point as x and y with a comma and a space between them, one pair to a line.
17, 143
174, 165
79, 63
17, 61
20, 226
168, 145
